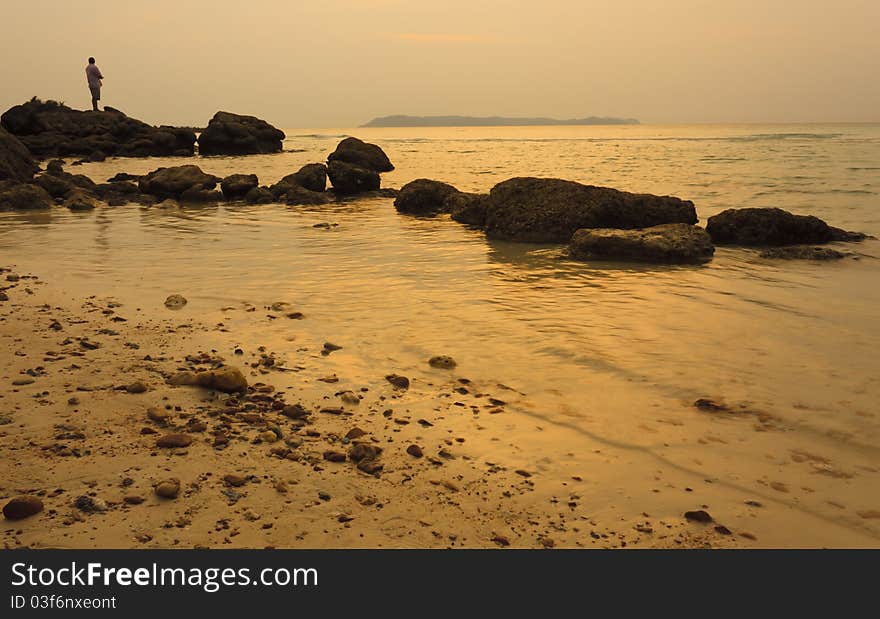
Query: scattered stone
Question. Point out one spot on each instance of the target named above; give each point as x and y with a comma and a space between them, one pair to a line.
501, 540
133, 500
415, 451
354, 433
89, 505
235, 480
175, 302
361, 451
294, 411
20, 382
177, 439
371, 467
158, 415
334, 456
22, 507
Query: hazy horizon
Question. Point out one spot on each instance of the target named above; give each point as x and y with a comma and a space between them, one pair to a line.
345, 62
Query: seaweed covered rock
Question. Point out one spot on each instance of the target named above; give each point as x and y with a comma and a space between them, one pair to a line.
348, 179
16, 162
234, 134
173, 182
423, 197
51, 129
548, 210
666, 243
772, 226
361, 154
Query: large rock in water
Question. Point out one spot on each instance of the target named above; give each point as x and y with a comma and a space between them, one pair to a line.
423, 197
669, 243
312, 176
234, 134
172, 182
362, 154
772, 227
23, 197
467, 208
238, 185
548, 210
16, 163
348, 179
50, 129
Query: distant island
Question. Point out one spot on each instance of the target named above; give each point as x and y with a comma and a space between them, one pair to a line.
402, 120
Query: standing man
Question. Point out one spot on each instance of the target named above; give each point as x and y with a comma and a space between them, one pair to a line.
93, 75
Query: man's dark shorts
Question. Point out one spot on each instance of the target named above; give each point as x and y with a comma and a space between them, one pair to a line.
96, 92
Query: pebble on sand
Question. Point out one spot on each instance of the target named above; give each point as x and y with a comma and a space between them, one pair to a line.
136, 387
22, 507
698, 515
415, 451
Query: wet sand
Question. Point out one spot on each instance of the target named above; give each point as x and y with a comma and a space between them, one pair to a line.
491, 473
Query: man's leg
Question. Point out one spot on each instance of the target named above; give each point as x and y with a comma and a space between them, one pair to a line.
94, 104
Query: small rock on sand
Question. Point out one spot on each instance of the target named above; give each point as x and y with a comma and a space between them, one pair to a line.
168, 489
158, 415
177, 439
20, 382
136, 387
442, 362
415, 451
235, 480
175, 302
334, 456
698, 515
22, 507
398, 381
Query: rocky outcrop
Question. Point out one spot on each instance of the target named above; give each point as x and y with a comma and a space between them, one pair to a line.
424, 197
16, 163
173, 182
546, 210
234, 134
59, 183
766, 226
467, 208
237, 186
23, 197
348, 179
666, 243
51, 129
361, 154
118, 193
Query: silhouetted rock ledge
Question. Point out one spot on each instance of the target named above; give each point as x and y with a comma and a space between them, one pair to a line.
666, 243
548, 210
773, 226
16, 162
51, 129
234, 134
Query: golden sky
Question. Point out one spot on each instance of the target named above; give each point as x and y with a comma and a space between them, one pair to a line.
338, 63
